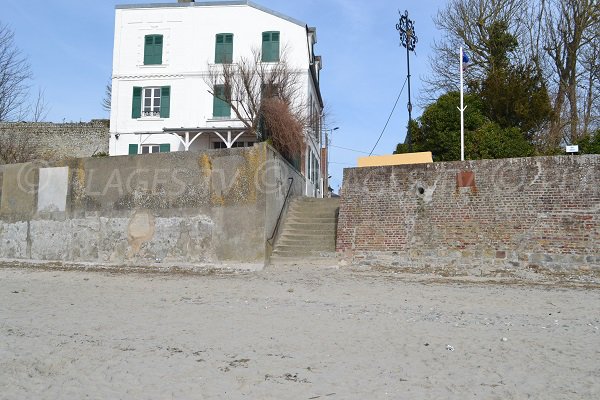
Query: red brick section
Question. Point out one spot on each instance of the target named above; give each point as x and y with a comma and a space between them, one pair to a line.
541, 211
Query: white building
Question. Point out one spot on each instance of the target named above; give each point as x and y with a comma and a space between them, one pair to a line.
162, 55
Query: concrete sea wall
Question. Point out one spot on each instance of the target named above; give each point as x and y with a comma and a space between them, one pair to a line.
527, 213
216, 206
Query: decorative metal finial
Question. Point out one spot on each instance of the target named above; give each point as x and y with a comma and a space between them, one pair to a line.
406, 28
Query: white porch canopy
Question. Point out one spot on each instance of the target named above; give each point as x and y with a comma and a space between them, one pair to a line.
187, 136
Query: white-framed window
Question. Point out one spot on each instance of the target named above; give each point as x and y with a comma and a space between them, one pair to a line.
151, 102
150, 148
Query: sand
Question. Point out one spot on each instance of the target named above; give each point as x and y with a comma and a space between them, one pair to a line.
293, 333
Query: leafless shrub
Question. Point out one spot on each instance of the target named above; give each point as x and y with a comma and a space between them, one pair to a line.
17, 148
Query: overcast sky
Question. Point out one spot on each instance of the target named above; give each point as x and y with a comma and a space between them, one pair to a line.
69, 45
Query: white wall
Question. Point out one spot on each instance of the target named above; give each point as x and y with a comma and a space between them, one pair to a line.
188, 48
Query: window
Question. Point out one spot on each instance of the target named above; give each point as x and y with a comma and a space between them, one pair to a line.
224, 48
156, 148
222, 145
220, 107
151, 102
150, 148
270, 47
153, 46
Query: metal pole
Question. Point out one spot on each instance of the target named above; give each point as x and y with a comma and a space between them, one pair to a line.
408, 39
409, 103
462, 110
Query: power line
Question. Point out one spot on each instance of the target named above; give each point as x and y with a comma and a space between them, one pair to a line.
345, 148
390, 117
340, 163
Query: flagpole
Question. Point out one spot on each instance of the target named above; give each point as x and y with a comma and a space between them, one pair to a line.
462, 110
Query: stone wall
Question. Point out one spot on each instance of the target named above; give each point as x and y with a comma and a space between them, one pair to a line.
216, 206
526, 213
55, 141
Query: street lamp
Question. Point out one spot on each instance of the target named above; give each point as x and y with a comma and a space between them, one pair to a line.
408, 39
327, 142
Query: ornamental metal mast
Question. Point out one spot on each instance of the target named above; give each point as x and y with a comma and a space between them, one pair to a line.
408, 39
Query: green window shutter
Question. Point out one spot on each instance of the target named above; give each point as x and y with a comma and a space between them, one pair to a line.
220, 107
133, 149
148, 49
270, 46
165, 101
153, 49
224, 48
136, 104
165, 148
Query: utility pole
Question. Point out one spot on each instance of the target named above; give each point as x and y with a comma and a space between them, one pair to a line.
408, 39
327, 143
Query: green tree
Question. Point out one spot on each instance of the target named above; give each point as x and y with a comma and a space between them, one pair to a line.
514, 95
590, 144
493, 141
438, 131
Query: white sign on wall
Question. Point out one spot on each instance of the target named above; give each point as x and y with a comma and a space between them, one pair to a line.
572, 149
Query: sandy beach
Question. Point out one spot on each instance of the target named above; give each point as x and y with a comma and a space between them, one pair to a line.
293, 333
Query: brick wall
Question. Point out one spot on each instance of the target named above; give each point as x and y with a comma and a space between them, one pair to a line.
541, 212
55, 141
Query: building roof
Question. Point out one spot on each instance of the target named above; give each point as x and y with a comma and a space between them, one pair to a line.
213, 4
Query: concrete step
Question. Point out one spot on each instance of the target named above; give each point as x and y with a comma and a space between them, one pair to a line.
300, 250
316, 241
307, 236
309, 225
309, 200
312, 214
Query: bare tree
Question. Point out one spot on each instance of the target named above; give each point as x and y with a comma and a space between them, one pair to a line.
106, 101
467, 23
590, 88
266, 98
39, 107
570, 27
15, 73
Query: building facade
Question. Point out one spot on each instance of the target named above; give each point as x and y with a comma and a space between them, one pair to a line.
162, 100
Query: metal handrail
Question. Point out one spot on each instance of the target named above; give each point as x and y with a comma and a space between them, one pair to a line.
287, 195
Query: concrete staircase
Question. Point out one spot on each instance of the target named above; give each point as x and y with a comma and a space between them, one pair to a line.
308, 234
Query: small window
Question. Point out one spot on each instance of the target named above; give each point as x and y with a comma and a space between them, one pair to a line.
224, 48
270, 47
153, 49
156, 148
221, 109
219, 145
150, 148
